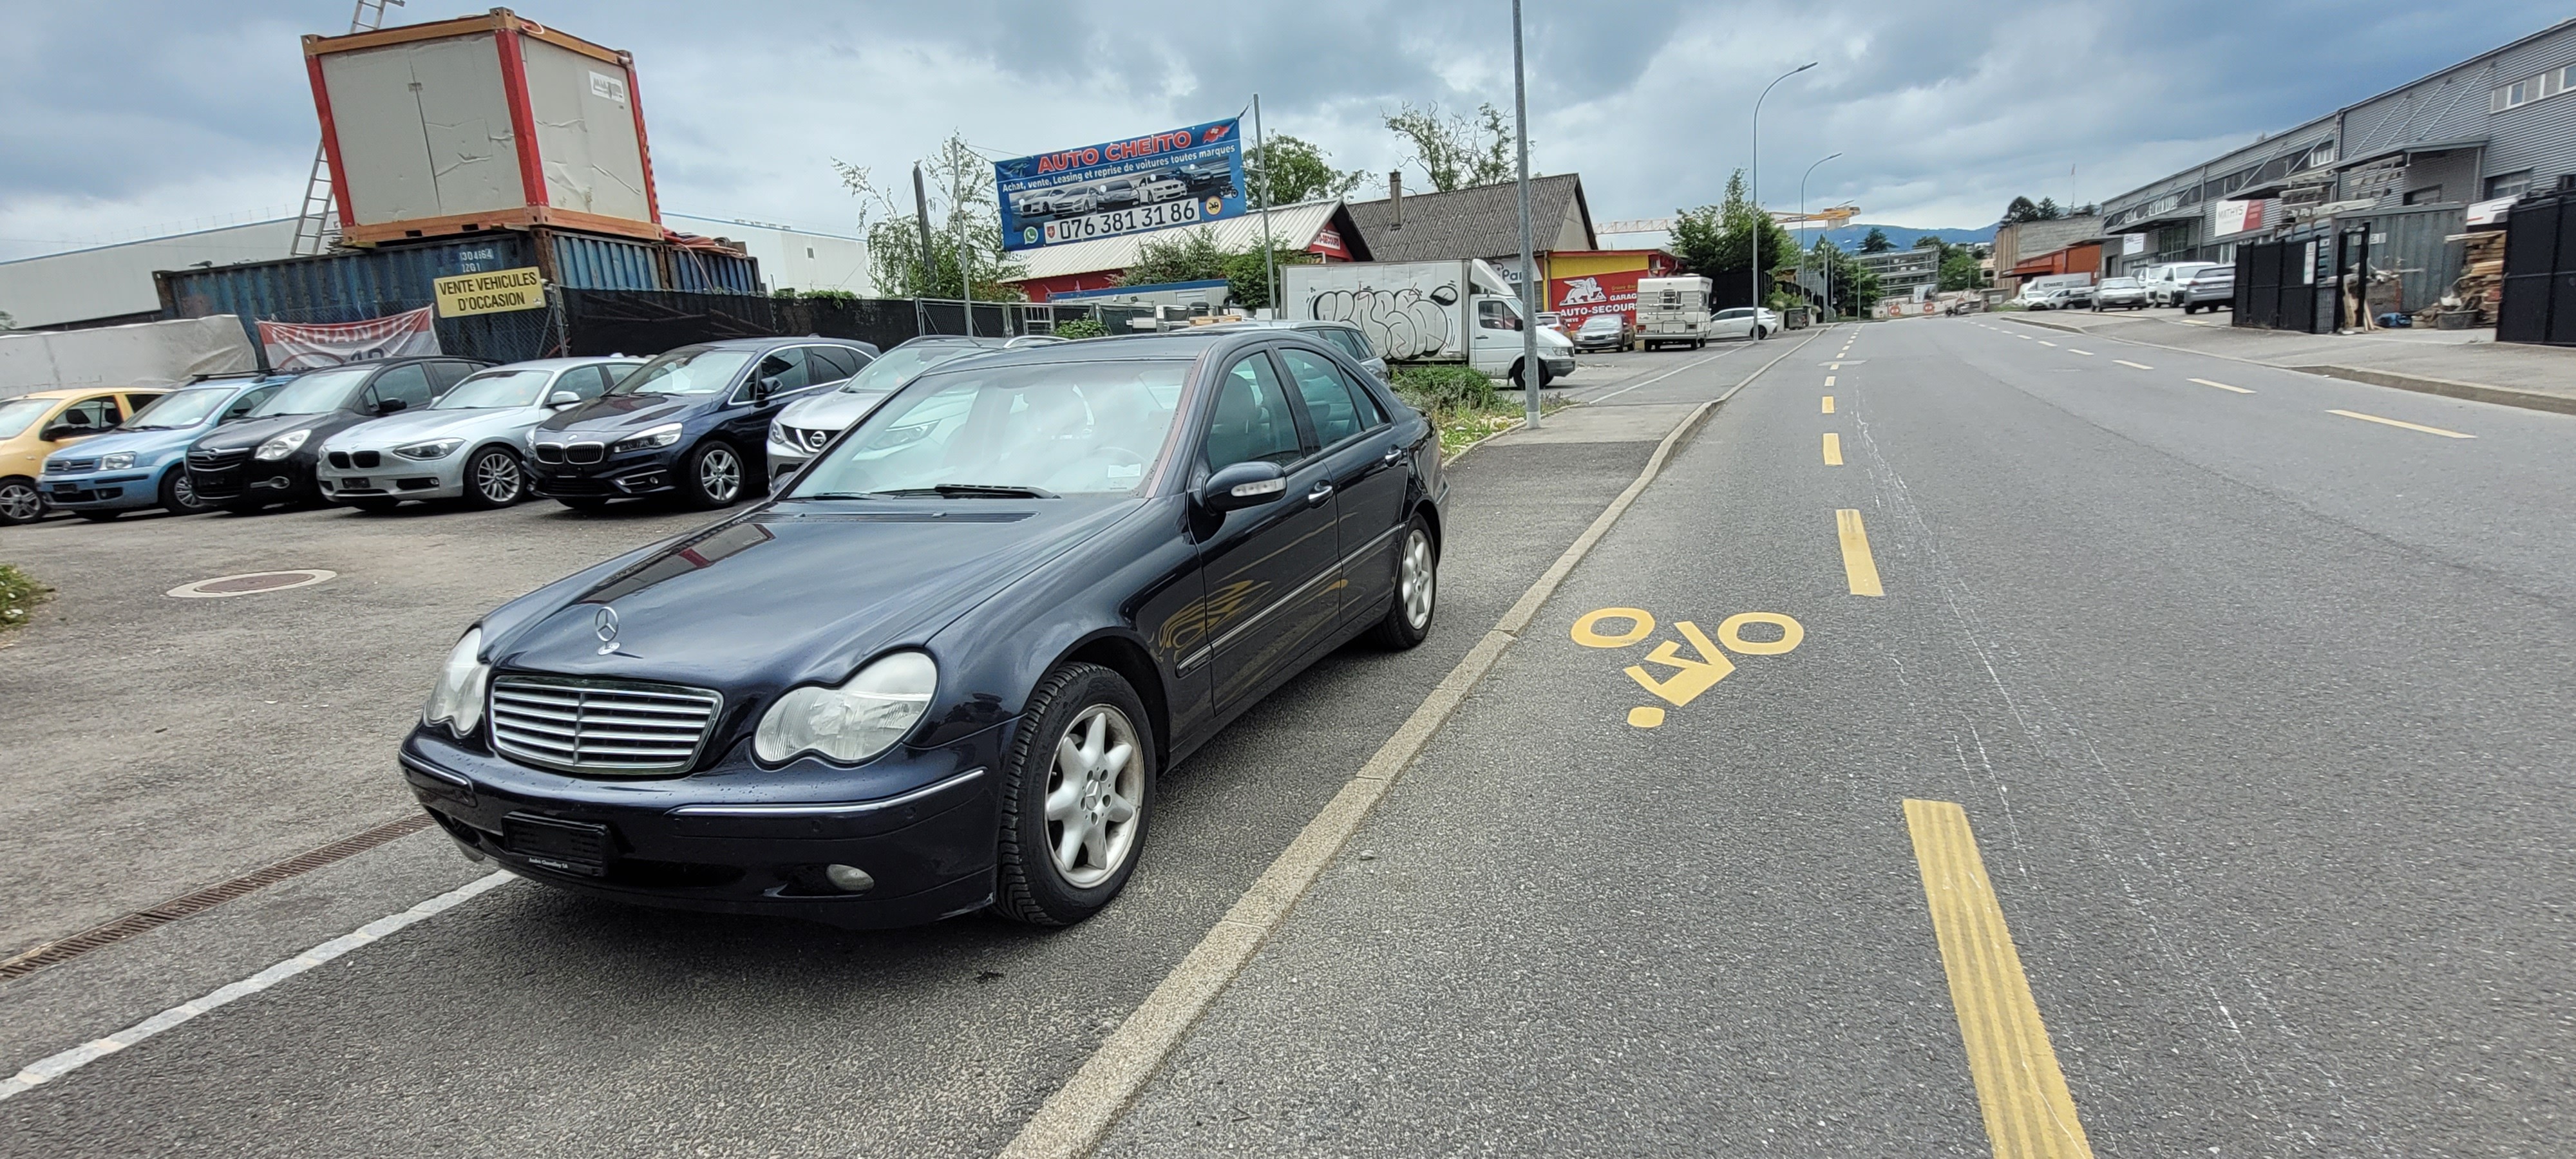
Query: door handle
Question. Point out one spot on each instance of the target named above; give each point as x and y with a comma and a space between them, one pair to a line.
1322, 491
1393, 456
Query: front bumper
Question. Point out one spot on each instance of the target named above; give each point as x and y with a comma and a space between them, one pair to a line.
647, 472
101, 490
738, 838
1560, 365
250, 480
1611, 343
385, 475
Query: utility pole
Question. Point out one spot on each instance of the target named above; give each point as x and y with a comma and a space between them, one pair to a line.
965, 272
1760, 220
1261, 153
1805, 250
929, 269
1531, 370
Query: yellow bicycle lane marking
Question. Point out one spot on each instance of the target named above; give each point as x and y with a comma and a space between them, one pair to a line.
1694, 674
1860, 569
1833, 449
2028, 1111
1829, 404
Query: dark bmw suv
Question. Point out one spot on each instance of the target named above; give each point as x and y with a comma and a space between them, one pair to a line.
269, 457
691, 423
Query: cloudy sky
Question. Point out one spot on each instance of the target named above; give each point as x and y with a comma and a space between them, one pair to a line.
126, 119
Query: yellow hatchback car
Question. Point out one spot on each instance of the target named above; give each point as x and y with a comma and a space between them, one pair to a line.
33, 426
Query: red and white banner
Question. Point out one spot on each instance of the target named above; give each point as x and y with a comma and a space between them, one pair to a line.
1584, 295
2229, 218
303, 346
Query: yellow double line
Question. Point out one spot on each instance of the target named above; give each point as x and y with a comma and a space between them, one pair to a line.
2028, 1111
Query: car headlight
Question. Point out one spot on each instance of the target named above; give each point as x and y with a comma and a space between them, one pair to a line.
855, 721
433, 449
282, 446
457, 701
120, 461
661, 436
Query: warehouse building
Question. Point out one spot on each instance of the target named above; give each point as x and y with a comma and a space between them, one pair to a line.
2492, 127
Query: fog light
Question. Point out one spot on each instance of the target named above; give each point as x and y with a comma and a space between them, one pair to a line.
849, 878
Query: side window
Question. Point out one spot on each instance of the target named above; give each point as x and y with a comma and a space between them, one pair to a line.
249, 401
136, 402
588, 381
410, 383
1329, 404
833, 363
1495, 314
1251, 419
1347, 341
783, 369
90, 415
443, 376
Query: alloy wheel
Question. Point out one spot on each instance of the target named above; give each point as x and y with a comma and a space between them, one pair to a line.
1418, 579
497, 479
1091, 814
720, 474
183, 491
19, 502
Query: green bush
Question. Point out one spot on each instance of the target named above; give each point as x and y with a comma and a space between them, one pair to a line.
19, 595
1081, 328
1437, 390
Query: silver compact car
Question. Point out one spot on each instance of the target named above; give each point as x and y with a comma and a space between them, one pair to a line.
808, 424
470, 444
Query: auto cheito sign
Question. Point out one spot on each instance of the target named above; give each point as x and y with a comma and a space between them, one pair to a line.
496, 292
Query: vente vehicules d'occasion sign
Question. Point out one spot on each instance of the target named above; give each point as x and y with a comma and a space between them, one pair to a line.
1156, 181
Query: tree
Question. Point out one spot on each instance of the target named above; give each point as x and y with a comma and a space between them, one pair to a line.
959, 184
1876, 242
1852, 287
1457, 153
1292, 170
1960, 270
2024, 210
1931, 241
1717, 241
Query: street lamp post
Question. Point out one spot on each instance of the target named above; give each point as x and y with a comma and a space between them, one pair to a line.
1803, 249
1532, 373
1754, 259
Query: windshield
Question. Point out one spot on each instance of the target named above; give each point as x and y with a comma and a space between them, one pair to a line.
180, 408
899, 365
320, 392
495, 388
17, 415
1601, 322
2121, 284
1078, 428
700, 371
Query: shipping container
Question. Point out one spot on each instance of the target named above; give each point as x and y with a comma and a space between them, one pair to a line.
479, 123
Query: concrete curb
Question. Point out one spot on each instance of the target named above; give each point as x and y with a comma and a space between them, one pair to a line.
1073, 1120
2421, 384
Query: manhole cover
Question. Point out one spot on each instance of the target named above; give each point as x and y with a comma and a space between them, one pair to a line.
250, 583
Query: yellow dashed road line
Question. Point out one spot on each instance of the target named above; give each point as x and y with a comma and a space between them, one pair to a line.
1833, 450
1860, 571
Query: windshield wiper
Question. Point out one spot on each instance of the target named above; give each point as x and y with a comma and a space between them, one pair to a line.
833, 495
975, 490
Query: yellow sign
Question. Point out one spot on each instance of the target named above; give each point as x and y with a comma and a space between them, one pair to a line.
492, 293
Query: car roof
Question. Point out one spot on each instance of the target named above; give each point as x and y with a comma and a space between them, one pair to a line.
768, 343
77, 391
566, 363
1278, 324
1177, 345
951, 340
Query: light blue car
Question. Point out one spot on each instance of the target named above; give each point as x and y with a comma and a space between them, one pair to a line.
143, 461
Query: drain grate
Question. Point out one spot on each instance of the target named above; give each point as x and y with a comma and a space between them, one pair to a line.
205, 899
251, 583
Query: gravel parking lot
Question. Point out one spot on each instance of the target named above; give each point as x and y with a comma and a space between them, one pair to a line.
157, 744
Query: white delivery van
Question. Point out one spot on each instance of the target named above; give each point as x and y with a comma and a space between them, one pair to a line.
1673, 311
1437, 311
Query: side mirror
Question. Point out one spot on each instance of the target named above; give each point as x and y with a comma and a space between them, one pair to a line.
390, 405
1243, 485
562, 398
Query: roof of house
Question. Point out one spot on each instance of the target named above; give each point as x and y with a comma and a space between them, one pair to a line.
1479, 222
1292, 227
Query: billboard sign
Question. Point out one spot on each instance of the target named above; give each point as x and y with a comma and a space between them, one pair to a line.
493, 293
307, 346
2228, 218
1156, 181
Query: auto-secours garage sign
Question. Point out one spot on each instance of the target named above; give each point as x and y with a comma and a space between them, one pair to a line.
1143, 183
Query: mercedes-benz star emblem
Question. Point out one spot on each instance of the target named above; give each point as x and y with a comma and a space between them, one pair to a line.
604, 622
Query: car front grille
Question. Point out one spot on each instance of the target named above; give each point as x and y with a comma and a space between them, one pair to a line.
366, 458
809, 438
340, 460
585, 453
70, 466
595, 726
206, 460
548, 452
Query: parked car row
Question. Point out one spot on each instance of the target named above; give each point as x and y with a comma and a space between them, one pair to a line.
1147, 188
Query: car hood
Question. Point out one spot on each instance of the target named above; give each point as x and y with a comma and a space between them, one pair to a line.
618, 414
410, 427
140, 444
1550, 339
832, 410
253, 432
791, 593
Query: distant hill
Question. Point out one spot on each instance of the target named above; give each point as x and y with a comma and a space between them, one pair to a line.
1848, 237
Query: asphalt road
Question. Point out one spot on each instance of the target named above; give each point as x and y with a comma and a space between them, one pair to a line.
2256, 712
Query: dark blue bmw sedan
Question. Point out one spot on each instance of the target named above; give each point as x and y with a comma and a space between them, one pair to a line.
940, 671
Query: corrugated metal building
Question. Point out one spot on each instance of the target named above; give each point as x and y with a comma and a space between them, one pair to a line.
2496, 125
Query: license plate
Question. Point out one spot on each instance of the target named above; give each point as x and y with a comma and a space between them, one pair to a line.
562, 846
354, 484
65, 490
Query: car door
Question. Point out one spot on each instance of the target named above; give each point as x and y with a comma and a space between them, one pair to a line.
748, 411
1268, 569
1367, 470
408, 384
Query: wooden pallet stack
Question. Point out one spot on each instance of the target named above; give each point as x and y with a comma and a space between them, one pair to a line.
2480, 289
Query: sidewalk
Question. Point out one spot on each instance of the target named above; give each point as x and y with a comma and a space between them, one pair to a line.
2459, 363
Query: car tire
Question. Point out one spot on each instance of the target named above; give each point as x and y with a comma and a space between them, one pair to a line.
586, 504
494, 478
1078, 718
713, 476
375, 506
179, 494
1417, 589
20, 502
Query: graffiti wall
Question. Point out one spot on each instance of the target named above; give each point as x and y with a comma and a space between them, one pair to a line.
1403, 323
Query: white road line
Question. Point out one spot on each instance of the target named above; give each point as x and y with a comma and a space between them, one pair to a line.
2046, 342
46, 1070
2133, 365
1657, 378
2221, 385
2085, 353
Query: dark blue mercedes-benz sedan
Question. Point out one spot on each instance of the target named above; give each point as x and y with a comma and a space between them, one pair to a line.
940, 670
